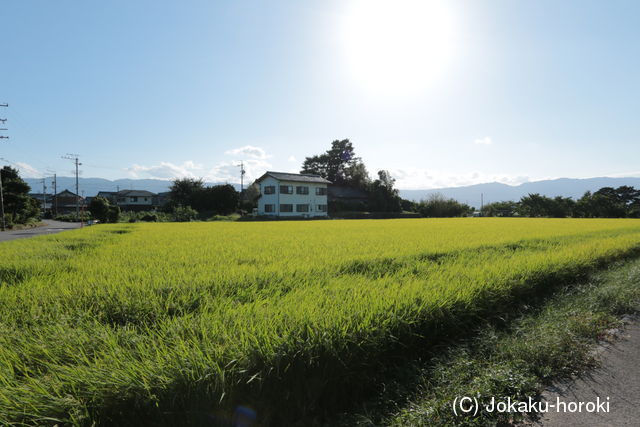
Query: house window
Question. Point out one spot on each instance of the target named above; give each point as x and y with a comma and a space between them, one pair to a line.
321, 191
146, 199
302, 208
270, 189
134, 199
286, 208
269, 208
286, 189
322, 208
302, 190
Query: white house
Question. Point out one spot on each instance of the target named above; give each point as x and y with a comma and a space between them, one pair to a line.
291, 194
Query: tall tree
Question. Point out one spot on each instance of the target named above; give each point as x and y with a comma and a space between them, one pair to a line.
183, 190
18, 206
339, 164
383, 197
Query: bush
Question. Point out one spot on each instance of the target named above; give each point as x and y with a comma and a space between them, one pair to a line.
71, 217
184, 214
99, 208
149, 217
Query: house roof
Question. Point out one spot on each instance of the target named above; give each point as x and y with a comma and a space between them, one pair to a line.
296, 177
133, 193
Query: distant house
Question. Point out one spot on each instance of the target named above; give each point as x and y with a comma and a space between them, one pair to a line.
130, 200
292, 195
161, 199
66, 201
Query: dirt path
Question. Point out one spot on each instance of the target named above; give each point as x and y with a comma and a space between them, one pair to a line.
618, 379
50, 227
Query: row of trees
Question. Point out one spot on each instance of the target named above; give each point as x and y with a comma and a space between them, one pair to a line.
19, 208
607, 202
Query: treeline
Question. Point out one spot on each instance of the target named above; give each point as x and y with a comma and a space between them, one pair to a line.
607, 202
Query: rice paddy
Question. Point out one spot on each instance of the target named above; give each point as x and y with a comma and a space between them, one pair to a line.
164, 322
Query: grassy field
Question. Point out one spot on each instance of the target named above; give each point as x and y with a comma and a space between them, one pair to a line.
160, 322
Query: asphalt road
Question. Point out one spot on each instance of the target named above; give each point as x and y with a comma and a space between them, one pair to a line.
51, 227
618, 379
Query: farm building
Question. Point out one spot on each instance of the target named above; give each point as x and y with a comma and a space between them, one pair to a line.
292, 195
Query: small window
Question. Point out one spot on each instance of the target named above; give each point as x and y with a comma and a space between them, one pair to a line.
270, 189
322, 208
286, 208
302, 208
269, 208
302, 190
134, 199
321, 191
286, 189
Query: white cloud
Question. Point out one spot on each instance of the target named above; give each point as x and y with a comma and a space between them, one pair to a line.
230, 171
222, 172
483, 141
167, 170
423, 179
248, 151
292, 159
28, 171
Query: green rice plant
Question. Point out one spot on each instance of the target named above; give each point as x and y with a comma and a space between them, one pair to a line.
164, 322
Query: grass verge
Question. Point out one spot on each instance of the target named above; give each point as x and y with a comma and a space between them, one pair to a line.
513, 358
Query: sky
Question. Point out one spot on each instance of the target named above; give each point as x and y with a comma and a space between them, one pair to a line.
440, 93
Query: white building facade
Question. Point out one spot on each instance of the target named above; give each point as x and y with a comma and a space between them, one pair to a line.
292, 195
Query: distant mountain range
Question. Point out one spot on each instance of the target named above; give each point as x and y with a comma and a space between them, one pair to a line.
492, 192
497, 192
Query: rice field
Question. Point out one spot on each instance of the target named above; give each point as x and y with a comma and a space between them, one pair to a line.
114, 324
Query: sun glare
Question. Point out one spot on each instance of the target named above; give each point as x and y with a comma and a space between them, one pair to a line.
397, 47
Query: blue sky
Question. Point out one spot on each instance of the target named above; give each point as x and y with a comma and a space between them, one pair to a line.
502, 91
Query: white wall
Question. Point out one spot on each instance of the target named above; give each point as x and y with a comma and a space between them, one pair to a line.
294, 199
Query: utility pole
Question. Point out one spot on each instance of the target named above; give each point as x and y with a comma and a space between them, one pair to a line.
481, 204
3, 225
242, 172
74, 157
44, 196
54, 205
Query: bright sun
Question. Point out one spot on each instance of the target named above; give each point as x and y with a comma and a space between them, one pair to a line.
397, 47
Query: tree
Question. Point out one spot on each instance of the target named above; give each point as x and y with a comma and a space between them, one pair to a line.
508, 208
99, 208
219, 199
383, 197
437, 206
19, 207
113, 214
339, 164
183, 190
250, 196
